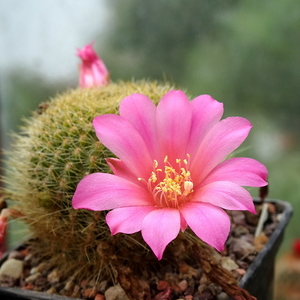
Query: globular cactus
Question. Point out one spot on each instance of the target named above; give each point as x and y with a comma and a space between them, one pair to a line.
56, 148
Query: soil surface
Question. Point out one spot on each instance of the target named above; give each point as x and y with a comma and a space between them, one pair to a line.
188, 281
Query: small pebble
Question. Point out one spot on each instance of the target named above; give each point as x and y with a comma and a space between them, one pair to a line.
99, 297
242, 264
16, 255
28, 287
162, 285
238, 217
175, 289
228, 264
203, 279
201, 288
12, 268
52, 290
241, 271
42, 267
271, 208
41, 281
269, 229
84, 283
91, 283
223, 296
6, 281
102, 286
28, 257
69, 286
115, 293
251, 218
90, 293
31, 260
164, 295
183, 285
144, 285
31, 278
33, 271
242, 248
260, 241
190, 290
250, 258
188, 270
24, 252
239, 231
53, 276
213, 288
279, 217
76, 292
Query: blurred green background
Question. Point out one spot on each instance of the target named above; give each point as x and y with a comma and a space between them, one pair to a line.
243, 53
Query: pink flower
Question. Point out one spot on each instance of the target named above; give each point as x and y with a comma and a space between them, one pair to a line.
171, 171
92, 70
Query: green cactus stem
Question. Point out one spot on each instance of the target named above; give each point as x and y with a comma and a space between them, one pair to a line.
56, 148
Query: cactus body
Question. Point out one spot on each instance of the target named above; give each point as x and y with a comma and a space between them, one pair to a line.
56, 148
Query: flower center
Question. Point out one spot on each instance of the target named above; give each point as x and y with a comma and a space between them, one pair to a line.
171, 184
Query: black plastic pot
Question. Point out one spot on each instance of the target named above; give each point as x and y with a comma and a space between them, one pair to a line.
258, 280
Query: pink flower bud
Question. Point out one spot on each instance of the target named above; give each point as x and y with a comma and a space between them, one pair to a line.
92, 70
296, 246
5, 213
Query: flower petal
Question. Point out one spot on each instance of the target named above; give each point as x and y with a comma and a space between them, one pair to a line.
206, 112
174, 115
225, 194
183, 224
127, 219
140, 111
210, 223
159, 228
120, 136
120, 169
101, 191
219, 142
241, 170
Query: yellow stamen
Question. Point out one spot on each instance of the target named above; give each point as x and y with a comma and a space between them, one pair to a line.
174, 188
